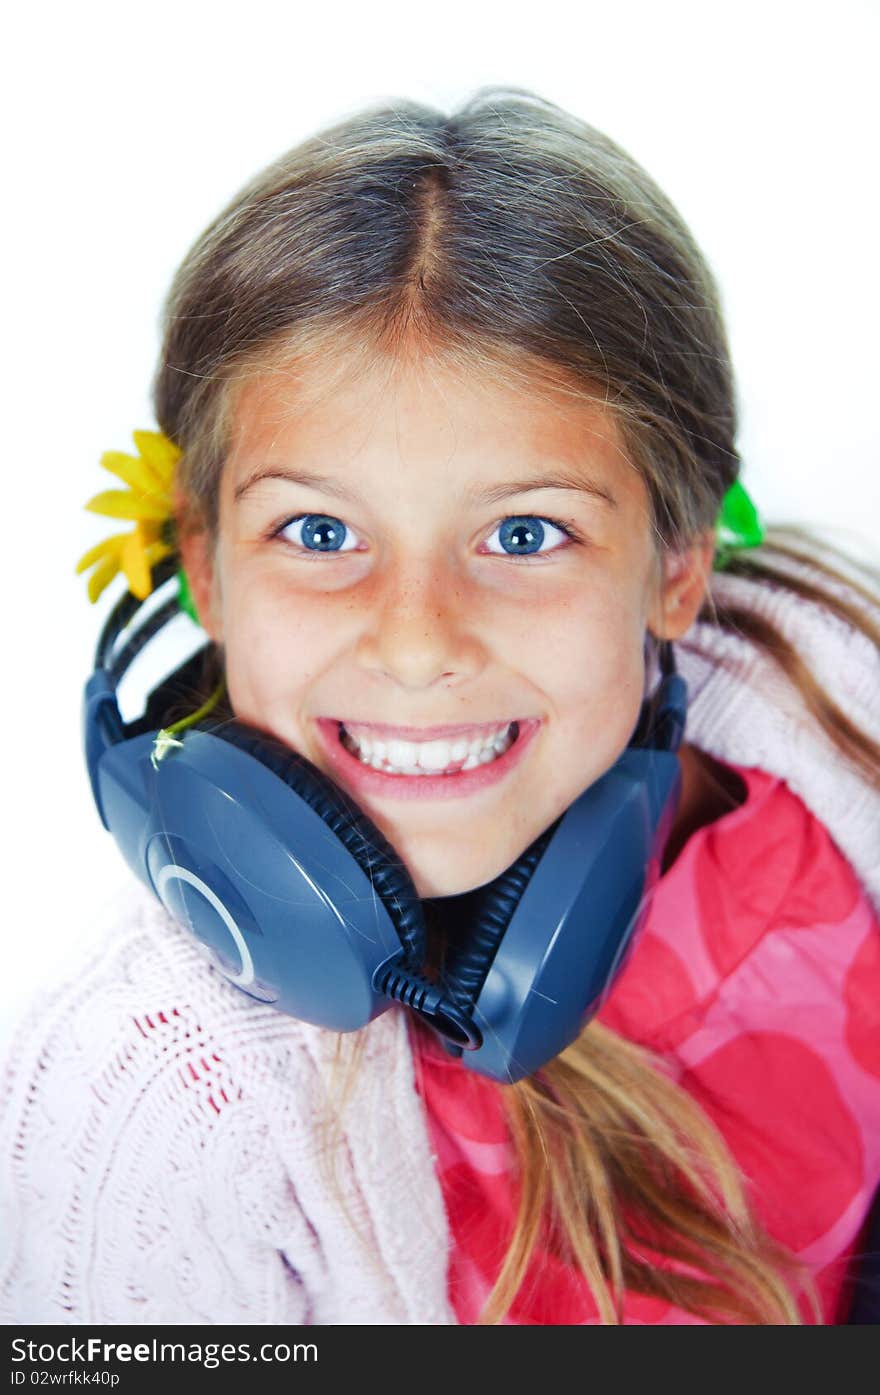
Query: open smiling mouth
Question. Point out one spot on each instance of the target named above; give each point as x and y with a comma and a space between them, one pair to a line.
448, 756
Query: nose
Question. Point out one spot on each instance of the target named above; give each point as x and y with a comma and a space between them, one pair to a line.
419, 628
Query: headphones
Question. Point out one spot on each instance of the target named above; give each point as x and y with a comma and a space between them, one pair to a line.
301, 902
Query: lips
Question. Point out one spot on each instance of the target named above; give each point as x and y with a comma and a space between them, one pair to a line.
363, 779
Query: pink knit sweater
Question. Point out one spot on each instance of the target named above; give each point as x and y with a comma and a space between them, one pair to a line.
161, 1143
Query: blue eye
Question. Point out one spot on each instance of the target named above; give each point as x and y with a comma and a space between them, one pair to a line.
319, 532
523, 535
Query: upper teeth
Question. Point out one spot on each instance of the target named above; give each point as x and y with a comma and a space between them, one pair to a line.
429, 757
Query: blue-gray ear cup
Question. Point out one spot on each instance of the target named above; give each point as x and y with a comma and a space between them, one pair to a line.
486, 912
547, 941
298, 903
289, 886
356, 832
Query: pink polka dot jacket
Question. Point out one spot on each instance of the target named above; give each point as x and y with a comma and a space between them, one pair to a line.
165, 1154
756, 980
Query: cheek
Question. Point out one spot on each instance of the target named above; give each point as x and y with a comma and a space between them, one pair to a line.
591, 655
274, 648
596, 695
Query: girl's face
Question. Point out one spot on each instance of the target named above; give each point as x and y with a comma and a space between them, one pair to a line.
405, 551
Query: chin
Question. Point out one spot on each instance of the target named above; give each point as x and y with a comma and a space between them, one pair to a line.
434, 876
442, 874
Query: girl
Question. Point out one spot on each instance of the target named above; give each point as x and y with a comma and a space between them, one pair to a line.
447, 419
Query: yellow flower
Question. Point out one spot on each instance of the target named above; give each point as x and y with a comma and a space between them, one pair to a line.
148, 502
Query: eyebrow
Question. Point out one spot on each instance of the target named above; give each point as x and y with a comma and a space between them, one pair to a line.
580, 484
492, 494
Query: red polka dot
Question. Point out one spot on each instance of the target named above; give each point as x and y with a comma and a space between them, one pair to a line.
481, 1217
465, 1103
861, 994
654, 992
777, 1105
779, 871
481, 1213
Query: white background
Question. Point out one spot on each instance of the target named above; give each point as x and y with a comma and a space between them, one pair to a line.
128, 127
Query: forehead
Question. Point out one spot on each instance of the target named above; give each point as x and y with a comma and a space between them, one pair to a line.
349, 413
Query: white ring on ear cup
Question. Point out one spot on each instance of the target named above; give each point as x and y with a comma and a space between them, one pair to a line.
183, 874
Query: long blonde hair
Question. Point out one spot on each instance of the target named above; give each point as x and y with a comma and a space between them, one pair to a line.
514, 239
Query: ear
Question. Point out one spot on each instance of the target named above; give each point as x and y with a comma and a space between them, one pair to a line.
197, 558
678, 598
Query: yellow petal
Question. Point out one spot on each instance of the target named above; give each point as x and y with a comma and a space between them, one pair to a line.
136, 568
121, 503
101, 549
135, 473
149, 530
159, 452
156, 551
102, 576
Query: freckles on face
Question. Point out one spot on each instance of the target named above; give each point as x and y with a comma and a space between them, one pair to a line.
591, 659
423, 616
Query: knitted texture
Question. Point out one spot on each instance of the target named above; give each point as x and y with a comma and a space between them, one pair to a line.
744, 710
164, 1161
161, 1146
